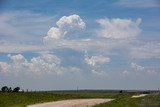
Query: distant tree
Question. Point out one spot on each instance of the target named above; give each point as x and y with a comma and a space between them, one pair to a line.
146, 92
120, 91
16, 89
4, 89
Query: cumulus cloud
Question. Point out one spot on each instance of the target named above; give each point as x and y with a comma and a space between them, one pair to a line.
96, 60
45, 63
125, 72
57, 37
17, 58
118, 28
95, 63
4, 67
65, 25
19, 64
137, 67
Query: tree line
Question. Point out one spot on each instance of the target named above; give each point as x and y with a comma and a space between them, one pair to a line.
9, 89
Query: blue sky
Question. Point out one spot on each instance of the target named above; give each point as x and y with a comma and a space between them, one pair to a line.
57, 44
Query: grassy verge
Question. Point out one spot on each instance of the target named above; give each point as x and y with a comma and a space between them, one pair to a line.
152, 100
121, 99
23, 99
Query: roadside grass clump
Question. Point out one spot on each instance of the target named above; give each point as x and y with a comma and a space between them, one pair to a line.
150, 101
121, 100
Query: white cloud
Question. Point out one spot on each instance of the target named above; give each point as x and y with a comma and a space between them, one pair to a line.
94, 45
119, 28
15, 47
144, 70
147, 50
137, 67
125, 72
65, 25
139, 3
152, 72
99, 73
70, 22
43, 64
22, 31
4, 67
17, 58
96, 60
53, 33
19, 63
98, 45
95, 63
57, 38
23, 26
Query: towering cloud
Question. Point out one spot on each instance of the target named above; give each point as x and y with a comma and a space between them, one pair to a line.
65, 25
118, 28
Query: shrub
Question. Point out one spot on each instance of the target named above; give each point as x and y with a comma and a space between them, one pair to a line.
16, 89
4, 89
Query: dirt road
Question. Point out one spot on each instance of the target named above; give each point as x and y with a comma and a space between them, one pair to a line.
137, 96
72, 103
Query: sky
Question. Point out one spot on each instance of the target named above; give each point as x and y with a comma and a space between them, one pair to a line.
65, 44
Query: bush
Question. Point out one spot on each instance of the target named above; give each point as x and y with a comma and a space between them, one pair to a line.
4, 89
120, 91
16, 89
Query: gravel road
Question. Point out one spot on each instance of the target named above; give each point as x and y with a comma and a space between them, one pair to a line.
72, 103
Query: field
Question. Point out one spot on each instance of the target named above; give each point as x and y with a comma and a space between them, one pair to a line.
121, 99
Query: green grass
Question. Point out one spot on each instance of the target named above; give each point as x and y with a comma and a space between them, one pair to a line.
124, 100
121, 99
23, 99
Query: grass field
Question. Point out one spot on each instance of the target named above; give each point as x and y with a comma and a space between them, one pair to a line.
121, 99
